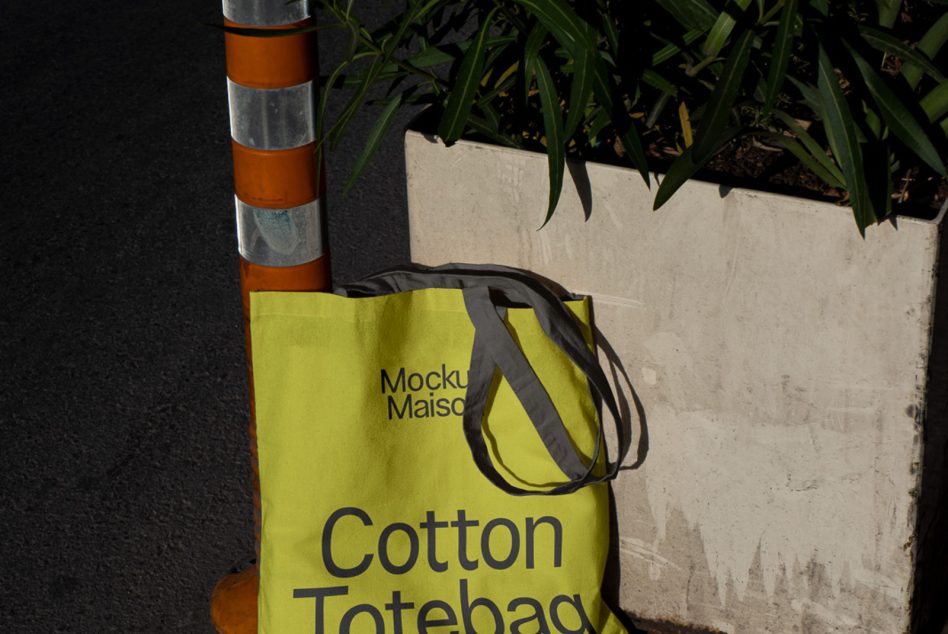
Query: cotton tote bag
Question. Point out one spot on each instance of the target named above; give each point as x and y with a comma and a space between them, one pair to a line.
431, 457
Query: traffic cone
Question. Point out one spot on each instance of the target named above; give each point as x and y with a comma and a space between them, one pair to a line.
278, 189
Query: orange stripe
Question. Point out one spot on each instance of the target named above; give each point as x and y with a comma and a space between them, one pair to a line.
270, 62
275, 179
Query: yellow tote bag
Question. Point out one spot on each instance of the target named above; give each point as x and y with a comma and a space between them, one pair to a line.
431, 457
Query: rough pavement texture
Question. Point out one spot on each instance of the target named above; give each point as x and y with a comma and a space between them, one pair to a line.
125, 474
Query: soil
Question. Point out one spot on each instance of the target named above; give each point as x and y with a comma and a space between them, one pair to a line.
751, 164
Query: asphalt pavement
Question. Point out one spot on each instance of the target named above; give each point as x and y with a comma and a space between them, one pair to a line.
125, 489
124, 465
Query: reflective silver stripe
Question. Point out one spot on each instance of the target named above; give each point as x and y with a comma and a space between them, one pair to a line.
280, 237
272, 118
265, 12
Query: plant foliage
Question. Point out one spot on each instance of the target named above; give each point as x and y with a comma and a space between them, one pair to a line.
851, 89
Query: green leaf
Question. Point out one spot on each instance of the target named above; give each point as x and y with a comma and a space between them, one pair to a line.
696, 15
841, 132
935, 103
670, 50
553, 129
655, 80
899, 119
597, 124
878, 160
333, 78
459, 103
612, 35
534, 42
783, 45
809, 93
581, 90
817, 151
721, 30
382, 124
560, 20
487, 130
820, 6
350, 82
431, 56
930, 44
506, 85
893, 46
888, 12
656, 110
685, 167
806, 158
355, 102
531, 48
623, 123
718, 109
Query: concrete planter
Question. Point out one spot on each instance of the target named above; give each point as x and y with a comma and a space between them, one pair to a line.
793, 399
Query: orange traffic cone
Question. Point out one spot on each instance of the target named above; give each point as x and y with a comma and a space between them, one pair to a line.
278, 195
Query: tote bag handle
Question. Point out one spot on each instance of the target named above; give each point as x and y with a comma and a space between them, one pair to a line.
488, 290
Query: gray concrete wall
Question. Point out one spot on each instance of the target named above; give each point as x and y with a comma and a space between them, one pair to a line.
781, 362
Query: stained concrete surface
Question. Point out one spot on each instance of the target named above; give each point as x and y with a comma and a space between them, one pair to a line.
788, 398
125, 474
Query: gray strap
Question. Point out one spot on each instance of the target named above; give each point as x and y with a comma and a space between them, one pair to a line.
495, 342
487, 289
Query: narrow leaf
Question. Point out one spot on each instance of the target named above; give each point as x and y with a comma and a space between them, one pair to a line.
899, 119
670, 50
888, 12
841, 132
431, 56
809, 93
596, 123
783, 45
581, 91
721, 30
656, 110
355, 102
692, 14
821, 6
382, 124
553, 129
878, 161
560, 20
912, 58
531, 49
718, 109
817, 151
684, 118
612, 35
930, 44
684, 167
459, 103
935, 103
632, 143
621, 120
811, 162
488, 131
655, 80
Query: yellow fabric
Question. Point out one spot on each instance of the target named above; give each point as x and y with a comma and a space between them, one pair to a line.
369, 492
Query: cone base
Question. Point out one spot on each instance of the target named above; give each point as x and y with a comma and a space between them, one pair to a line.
234, 602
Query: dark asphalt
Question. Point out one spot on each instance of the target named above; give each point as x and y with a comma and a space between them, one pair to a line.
125, 487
